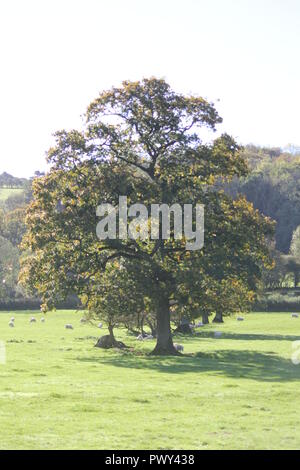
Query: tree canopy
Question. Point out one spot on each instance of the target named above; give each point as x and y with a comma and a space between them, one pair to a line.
143, 140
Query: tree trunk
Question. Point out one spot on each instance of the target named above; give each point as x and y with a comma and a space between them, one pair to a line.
143, 333
111, 333
164, 345
205, 319
218, 318
152, 328
109, 341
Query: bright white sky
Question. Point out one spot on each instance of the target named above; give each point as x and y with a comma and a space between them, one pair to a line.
57, 55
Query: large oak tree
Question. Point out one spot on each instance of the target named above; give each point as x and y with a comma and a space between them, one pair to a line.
143, 140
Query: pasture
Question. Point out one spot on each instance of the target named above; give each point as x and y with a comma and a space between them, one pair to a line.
5, 193
239, 391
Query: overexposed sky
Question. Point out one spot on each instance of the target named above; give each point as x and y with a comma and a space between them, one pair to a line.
56, 56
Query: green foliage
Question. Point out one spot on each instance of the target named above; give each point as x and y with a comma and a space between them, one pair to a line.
113, 298
257, 157
13, 225
12, 229
9, 267
292, 265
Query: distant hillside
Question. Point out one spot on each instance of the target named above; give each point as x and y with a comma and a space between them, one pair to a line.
9, 181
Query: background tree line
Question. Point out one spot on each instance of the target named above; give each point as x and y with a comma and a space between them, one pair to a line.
273, 186
9, 181
12, 229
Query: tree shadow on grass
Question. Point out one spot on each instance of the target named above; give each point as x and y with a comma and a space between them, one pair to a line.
263, 367
239, 336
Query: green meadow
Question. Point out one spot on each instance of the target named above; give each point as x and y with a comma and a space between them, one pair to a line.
5, 193
239, 391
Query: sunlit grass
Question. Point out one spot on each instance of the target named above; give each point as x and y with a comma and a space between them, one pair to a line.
240, 391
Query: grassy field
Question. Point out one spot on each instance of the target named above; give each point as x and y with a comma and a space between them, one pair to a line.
7, 192
238, 392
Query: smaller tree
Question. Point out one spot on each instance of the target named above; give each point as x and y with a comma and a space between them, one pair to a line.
219, 297
112, 298
230, 296
292, 265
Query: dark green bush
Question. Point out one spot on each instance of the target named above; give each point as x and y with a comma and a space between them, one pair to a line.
276, 302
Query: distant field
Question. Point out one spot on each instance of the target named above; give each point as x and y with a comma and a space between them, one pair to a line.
7, 192
238, 392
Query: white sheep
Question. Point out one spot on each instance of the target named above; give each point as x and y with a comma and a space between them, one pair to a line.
218, 334
100, 325
32, 320
178, 347
69, 327
295, 315
11, 324
43, 320
12, 319
240, 318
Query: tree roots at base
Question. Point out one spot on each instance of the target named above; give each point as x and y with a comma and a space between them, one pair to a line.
107, 342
